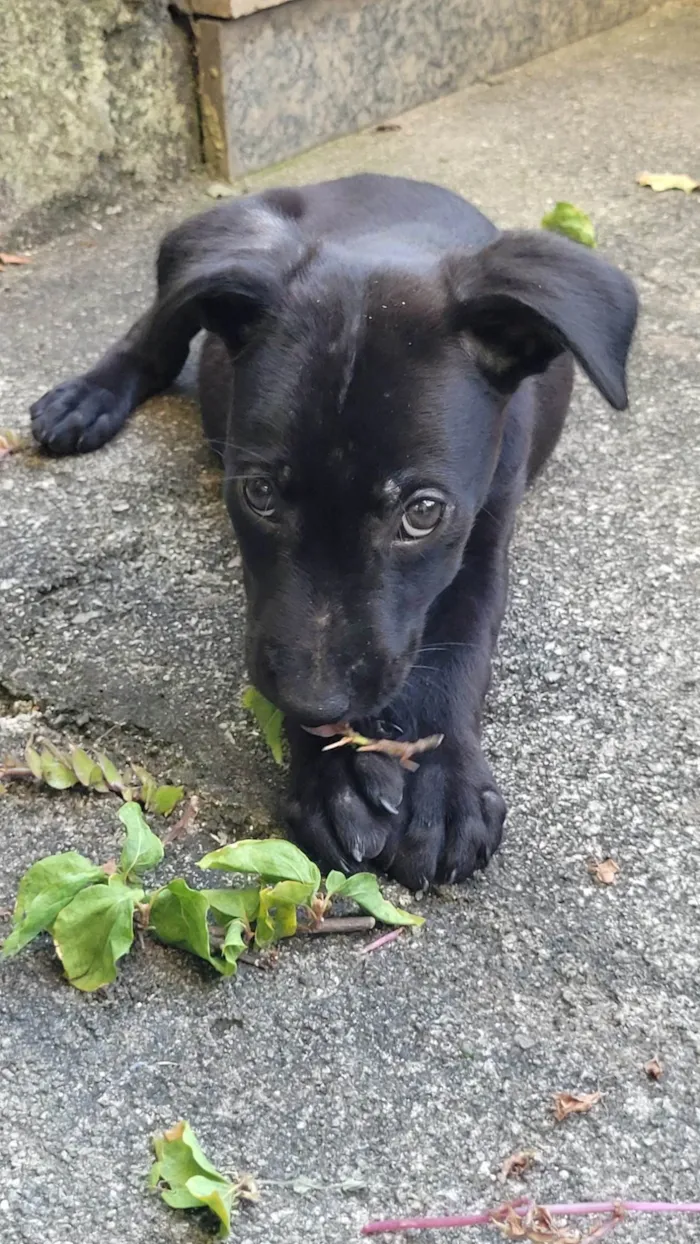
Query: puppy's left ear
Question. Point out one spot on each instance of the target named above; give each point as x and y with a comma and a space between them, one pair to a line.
526, 297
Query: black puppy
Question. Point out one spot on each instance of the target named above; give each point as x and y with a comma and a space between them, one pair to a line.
385, 372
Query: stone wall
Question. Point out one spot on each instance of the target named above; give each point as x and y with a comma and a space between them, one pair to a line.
91, 92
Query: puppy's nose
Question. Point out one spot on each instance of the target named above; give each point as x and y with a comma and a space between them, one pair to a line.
321, 712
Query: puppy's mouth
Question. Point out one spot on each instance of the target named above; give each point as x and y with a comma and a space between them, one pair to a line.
327, 732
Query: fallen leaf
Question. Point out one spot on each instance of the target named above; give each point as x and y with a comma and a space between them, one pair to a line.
187, 1179
604, 871
164, 799
269, 718
8, 260
654, 1069
363, 888
574, 1103
186, 822
517, 1164
571, 222
668, 181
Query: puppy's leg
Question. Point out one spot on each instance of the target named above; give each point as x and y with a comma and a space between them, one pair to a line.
82, 414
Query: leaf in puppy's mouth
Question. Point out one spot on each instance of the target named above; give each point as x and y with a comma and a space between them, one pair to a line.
401, 750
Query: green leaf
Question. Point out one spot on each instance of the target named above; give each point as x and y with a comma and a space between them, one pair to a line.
93, 931
33, 759
269, 718
571, 222
277, 915
229, 904
164, 798
220, 1198
179, 918
55, 773
142, 848
190, 1179
84, 767
46, 888
110, 771
275, 859
364, 889
235, 942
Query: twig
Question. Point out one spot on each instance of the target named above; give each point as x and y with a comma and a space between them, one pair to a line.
343, 924
496, 1215
378, 942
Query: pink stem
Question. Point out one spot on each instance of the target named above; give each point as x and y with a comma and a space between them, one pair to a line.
381, 941
587, 1207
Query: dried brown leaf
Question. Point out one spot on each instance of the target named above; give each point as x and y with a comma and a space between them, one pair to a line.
10, 443
574, 1103
186, 823
654, 1068
605, 871
517, 1164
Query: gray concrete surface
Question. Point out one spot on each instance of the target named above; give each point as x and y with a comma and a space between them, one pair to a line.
419, 1069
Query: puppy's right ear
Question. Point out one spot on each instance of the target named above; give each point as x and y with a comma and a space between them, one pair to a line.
227, 268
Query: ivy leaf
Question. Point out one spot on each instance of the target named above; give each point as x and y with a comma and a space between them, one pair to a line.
93, 932
55, 773
364, 889
571, 222
188, 1180
220, 1198
229, 904
46, 888
269, 718
86, 770
277, 914
179, 918
164, 798
274, 859
142, 849
110, 771
33, 759
235, 942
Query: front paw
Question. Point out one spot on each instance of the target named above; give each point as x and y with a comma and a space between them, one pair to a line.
344, 804
451, 822
77, 417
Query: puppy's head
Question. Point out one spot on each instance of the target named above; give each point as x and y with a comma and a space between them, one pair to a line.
370, 391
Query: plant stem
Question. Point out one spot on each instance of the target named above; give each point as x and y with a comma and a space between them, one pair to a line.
378, 942
490, 1216
344, 924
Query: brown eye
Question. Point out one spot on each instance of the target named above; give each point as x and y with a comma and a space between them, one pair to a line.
260, 495
420, 517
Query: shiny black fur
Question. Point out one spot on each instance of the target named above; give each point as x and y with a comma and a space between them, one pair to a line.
371, 337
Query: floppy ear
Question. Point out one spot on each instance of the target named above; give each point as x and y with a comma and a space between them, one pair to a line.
526, 297
224, 269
